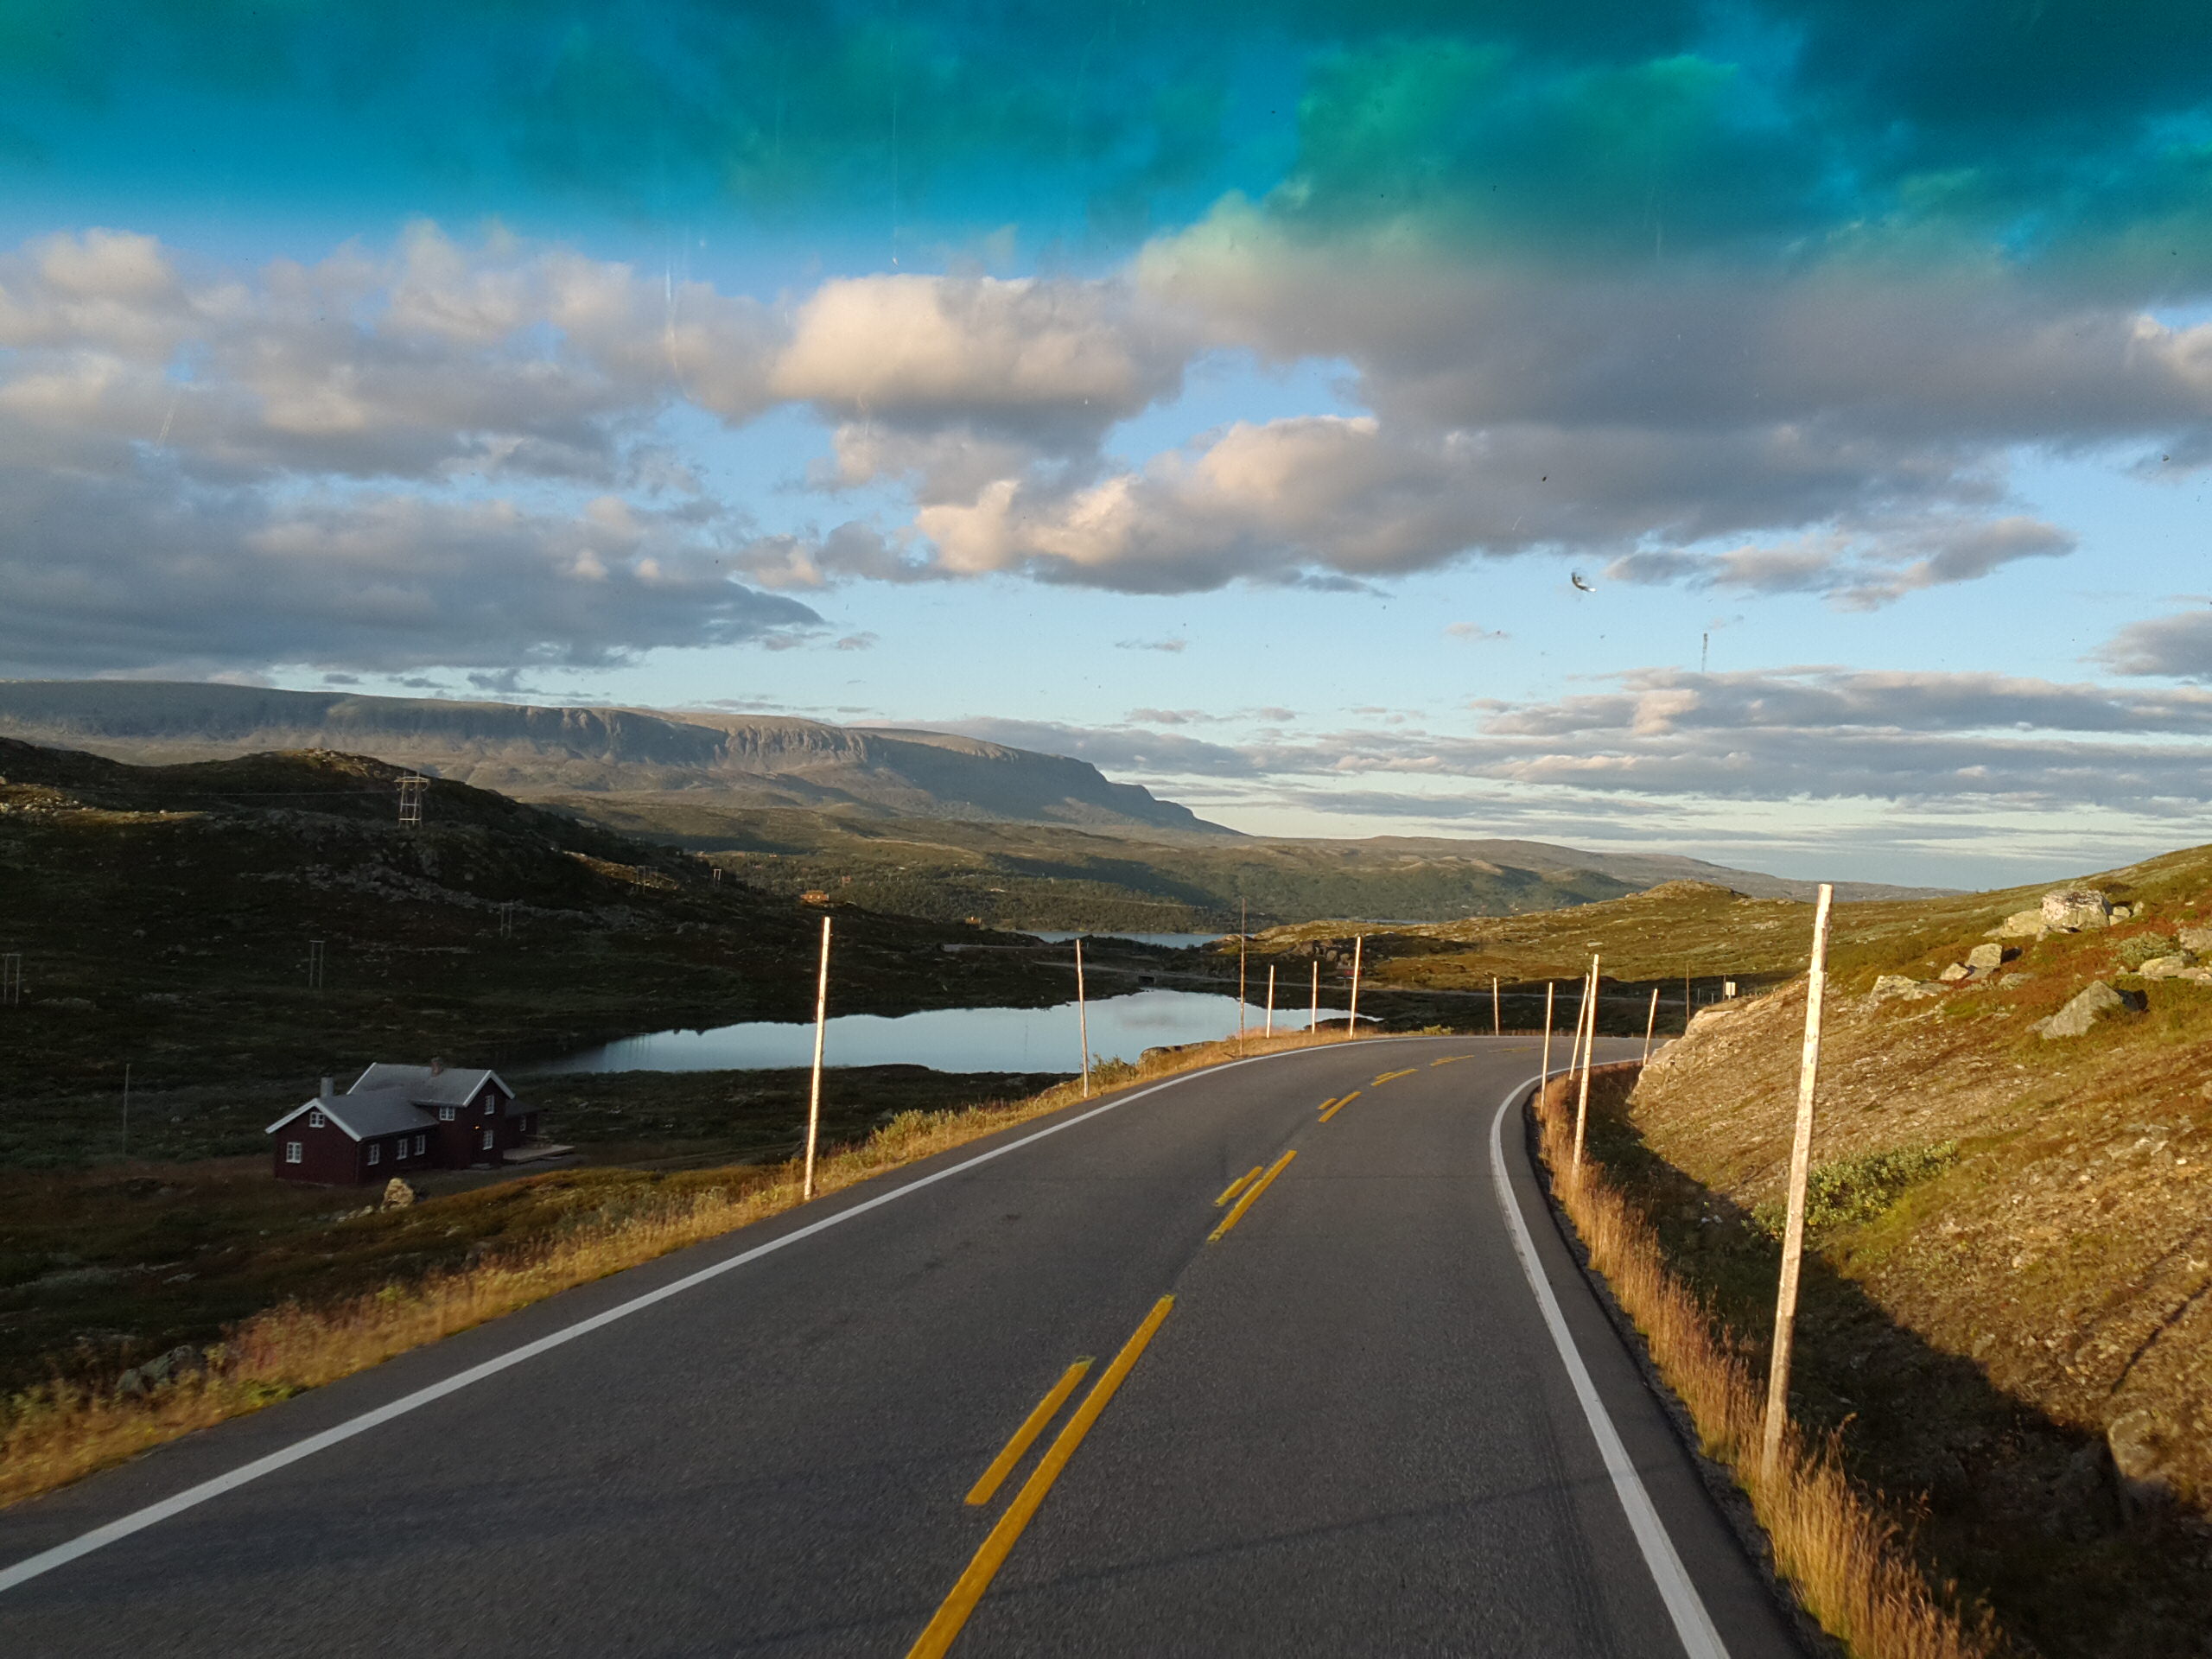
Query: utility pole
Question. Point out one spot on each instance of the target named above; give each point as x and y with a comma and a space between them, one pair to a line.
1589, 1044
1497, 1019
1650, 1025
1313, 1018
814, 1092
1081, 1017
1271, 1001
1241, 920
1351, 1020
1549, 987
1801, 1160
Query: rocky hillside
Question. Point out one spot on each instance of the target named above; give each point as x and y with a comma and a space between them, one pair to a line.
519, 749
2010, 1305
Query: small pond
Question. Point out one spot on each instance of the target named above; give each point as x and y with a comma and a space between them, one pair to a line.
944, 1040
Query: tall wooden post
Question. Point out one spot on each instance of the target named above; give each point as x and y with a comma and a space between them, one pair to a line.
1589, 1044
1549, 990
1497, 1019
1650, 1025
1240, 975
1082, 1018
1271, 999
1800, 1161
1351, 1020
1313, 1019
814, 1093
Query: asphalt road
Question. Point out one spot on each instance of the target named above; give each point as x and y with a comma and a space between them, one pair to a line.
1352, 1431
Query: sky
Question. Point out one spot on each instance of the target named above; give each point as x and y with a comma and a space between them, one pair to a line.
1777, 433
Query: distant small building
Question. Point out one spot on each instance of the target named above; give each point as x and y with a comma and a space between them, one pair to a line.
396, 1119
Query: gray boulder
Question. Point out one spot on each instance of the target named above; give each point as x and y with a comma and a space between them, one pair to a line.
2097, 1001
1904, 989
2020, 925
2164, 967
1955, 972
2070, 910
398, 1195
2196, 939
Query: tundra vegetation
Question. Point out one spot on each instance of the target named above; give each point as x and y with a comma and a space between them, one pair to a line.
2005, 1336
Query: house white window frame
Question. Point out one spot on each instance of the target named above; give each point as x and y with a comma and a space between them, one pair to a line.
445, 1114
421, 1141
487, 1140
376, 1151
293, 1152
314, 1120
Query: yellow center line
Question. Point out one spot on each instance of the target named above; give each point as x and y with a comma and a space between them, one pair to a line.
1250, 1197
1387, 1076
1325, 1105
1449, 1060
1031, 1427
1237, 1186
953, 1613
1340, 1106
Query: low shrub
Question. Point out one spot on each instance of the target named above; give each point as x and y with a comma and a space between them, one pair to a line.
1859, 1188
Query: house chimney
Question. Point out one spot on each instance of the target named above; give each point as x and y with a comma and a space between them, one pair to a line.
436, 1066
329, 1086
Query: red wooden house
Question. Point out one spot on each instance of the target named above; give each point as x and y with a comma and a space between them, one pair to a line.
399, 1118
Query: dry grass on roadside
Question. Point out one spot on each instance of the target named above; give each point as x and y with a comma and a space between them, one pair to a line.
60, 1433
1831, 1540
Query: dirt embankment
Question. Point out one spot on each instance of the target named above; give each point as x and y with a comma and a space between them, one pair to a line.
2009, 1310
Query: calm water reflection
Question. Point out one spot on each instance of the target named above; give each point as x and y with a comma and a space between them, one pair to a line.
945, 1039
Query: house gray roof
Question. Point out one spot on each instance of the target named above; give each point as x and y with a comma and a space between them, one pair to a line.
364, 1114
450, 1087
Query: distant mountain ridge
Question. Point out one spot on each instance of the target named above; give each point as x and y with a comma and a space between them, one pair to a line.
524, 749
691, 775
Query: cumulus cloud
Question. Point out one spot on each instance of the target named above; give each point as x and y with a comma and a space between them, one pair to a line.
2178, 646
1861, 568
119, 573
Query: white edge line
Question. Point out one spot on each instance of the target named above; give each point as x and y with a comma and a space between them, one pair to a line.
32, 1566
1693, 1623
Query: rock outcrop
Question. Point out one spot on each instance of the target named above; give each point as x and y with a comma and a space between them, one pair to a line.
2071, 910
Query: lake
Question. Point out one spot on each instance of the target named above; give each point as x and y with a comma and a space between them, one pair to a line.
1169, 941
944, 1040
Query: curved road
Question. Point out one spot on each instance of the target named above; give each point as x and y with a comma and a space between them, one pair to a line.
1349, 1424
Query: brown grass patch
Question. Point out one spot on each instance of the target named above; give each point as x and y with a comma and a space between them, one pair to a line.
1832, 1541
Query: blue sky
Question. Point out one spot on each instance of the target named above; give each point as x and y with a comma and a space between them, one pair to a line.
1223, 393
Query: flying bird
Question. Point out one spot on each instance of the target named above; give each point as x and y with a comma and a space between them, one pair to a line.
1575, 576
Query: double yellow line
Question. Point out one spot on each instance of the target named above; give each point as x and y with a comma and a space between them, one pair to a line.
1331, 1108
1251, 1196
953, 1612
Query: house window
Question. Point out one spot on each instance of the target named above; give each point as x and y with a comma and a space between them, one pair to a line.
399, 1148
421, 1140
445, 1114
376, 1151
490, 1106
291, 1152
314, 1120
487, 1140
